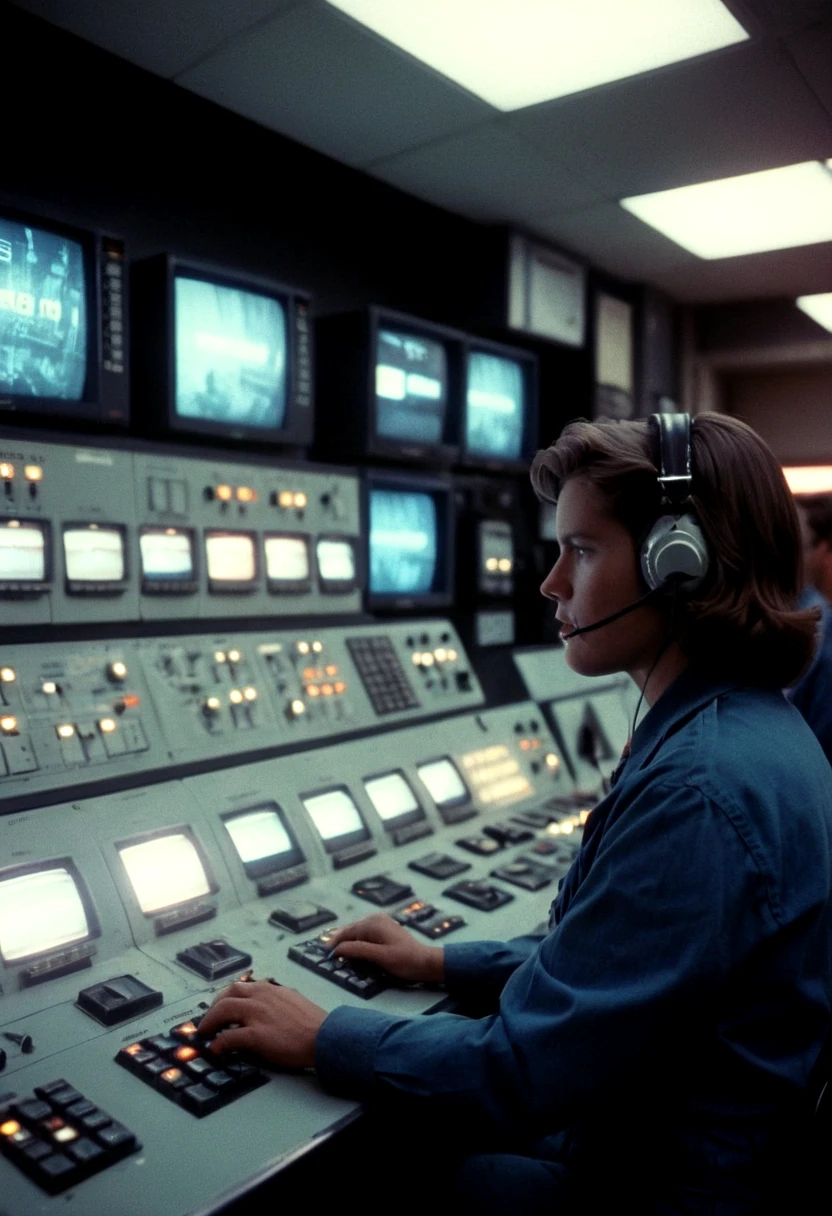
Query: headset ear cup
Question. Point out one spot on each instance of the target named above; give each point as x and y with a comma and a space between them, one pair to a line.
675, 549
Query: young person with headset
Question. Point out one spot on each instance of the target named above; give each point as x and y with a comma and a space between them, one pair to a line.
654, 1045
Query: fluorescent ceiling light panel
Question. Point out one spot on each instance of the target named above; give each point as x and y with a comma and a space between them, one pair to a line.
775, 209
809, 479
818, 307
515, 53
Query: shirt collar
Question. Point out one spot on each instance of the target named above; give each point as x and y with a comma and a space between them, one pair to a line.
681, 700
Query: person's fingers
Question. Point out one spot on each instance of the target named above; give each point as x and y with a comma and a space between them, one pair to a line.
224, 1010
234, 1038
372, 952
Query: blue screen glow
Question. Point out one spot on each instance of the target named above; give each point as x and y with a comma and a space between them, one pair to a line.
411, 388
43, 314
231, 355
494, 417
403, 542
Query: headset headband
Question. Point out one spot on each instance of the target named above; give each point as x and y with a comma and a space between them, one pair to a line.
675, 477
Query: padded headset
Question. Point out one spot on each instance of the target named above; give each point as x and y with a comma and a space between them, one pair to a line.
674, 551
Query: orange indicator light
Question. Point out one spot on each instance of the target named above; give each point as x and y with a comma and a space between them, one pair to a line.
340, 686
246, 494
327, 690
524, 745
186, 1028
312, 690
285, 498
331, 670
309, 673
171, 1074
7, 471
225, 493
10, 1128
184, 1053
131, 701
133, 1049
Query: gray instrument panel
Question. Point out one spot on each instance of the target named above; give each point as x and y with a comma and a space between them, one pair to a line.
72, 714
509, 765
91, 534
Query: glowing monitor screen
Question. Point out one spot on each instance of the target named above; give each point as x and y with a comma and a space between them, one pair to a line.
391, 796
167, 555
495, 407
411, 388
336, 561
43, 314
165, 871
231, 355
40, 911
403, 542
22, 552
334, 814
287, 558
258, 834
230, 557
442, 781
94, 554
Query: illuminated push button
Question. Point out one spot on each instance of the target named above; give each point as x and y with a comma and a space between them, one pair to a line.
416, 658
8, 724
8, 675
49, 688
173, 1078
491, 564
427, 659
505, 565
235, 696
33, 472
117, 671
6, 471
552, 762
65, 731
234, 656
224, 493
185, 1053
107, 725
185, 1031
331, 669
285, 498
317, 647
452, 656
246, 494
250, 694
296, 709
339, 686
299, 500
220, 656
312, 690
211, 706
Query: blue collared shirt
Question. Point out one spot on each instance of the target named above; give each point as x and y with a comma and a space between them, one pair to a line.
813, 693
684, 986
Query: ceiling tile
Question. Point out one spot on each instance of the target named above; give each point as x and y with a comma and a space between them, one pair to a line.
158, 35
317, 77
488, 174
736, 111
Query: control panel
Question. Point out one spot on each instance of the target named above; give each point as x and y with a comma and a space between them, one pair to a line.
73, 714
122, 916
95, 534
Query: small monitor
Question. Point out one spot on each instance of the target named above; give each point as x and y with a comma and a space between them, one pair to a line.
25, 558
337, 563
410, 541
227, 353
288, 567
337, 819
500, 406
165, 870
231, 561
95, 558
168, 560
495, 554
394, 800
263, 839
389, 385
442, 781
63, 321
43, 908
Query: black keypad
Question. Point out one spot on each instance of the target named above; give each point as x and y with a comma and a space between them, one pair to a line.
360, 978
479, 894
178, 1066
382, 674
427, 919
59, 1138
439, 865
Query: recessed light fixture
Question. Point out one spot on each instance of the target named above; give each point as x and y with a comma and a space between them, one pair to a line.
753, 213
515, 53
809, 478
818, 307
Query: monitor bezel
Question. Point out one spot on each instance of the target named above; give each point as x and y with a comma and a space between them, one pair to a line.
336, 844
442, 490
105, 398
339, 586
224, 586
418, 815
182, 829
530, 439
275, 862
104, 587
25, 588
39, 867
155, 328
170, 586
442, 806
288, 586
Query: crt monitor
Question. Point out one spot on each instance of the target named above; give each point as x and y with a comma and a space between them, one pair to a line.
224, 354
166, 869
389, 385
409, 530
44, 907
499, 429
263, 839
336, 818
63, 321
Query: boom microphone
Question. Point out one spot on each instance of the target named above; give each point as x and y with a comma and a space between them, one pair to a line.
607, 620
